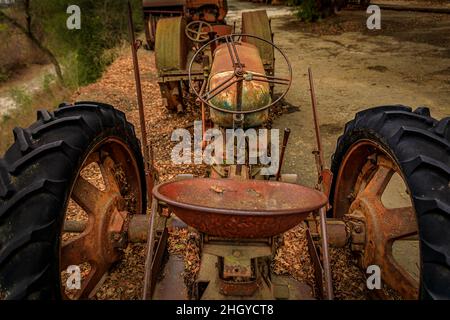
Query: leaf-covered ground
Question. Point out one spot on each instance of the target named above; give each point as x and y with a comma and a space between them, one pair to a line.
125, 280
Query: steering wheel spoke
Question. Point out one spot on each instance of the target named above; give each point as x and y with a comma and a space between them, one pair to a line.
220, 87
265, 78
194, 31
234, 56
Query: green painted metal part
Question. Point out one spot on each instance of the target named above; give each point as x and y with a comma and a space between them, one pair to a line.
170, 44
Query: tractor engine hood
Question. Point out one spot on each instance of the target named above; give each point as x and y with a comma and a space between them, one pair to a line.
255, 94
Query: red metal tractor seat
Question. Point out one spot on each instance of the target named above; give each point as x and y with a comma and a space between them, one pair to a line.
249, 209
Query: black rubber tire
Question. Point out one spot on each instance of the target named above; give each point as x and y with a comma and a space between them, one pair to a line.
36, 176
421, 147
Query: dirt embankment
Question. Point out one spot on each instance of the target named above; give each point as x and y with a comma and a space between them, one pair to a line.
17, 53
23, 68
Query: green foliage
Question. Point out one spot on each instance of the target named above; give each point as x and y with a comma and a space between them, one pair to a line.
26, 114
294, 2
4, 74
104, 25
46, 83
21, 97
307, 10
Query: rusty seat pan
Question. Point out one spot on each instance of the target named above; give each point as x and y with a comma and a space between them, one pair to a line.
246, 209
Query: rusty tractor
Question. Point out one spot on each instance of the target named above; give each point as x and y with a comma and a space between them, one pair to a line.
386, 193
178, 38
210, 11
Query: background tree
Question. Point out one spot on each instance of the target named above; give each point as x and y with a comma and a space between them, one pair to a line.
83, 52
313, 10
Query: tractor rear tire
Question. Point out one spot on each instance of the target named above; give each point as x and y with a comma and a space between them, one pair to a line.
421, 147
37, 175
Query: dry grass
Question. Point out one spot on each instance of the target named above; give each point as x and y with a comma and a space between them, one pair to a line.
25, 114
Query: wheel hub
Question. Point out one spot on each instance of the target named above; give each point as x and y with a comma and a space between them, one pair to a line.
105, 231
373, 226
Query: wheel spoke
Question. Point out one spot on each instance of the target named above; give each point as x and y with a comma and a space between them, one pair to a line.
95, 247
385, 226
89, 198
93, 157
92, 281
397, 278
74, 252
379, 180
399, 223
108, 170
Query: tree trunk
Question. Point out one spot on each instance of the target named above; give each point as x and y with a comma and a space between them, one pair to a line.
36, 42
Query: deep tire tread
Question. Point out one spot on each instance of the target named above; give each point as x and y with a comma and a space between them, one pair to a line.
421, 147
36, 174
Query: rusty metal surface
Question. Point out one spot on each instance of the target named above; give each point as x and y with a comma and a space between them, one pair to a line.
161, 244
198, 31
222, 29
150, 173
248, 55
236, 268
138, 228
286, 287
327, 180
318, 270
213, 11
232, 42
255, 94
319, 152
172, 95
337, 233
207, 10
286, 135
238, 289
171, 286
216, 15
107, 213
364, 175
239, 209
325, 255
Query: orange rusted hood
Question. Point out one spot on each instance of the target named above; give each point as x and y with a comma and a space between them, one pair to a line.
255, 94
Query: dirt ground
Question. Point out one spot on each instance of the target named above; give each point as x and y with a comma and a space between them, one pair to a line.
406, 62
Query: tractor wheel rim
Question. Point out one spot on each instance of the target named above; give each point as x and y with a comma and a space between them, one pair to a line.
108, 210
383, 226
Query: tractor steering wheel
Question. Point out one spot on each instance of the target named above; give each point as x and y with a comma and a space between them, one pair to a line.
239, 74
194, 31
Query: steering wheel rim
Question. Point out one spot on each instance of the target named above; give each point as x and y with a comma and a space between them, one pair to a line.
198, 31
240, 112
